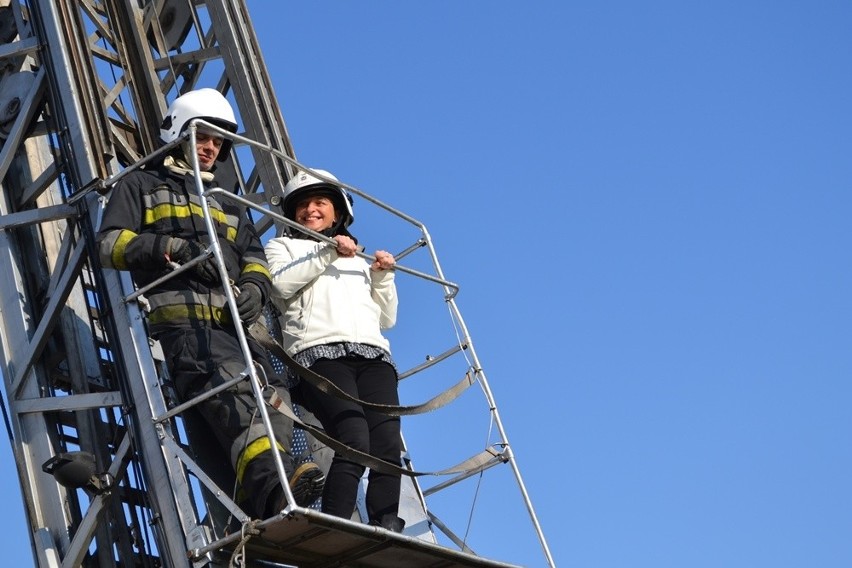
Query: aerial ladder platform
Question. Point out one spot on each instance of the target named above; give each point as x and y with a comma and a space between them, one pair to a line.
106, 473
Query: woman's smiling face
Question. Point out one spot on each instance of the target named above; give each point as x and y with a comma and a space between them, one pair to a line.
316, 213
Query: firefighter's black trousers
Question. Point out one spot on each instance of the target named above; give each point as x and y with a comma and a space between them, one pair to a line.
204, 358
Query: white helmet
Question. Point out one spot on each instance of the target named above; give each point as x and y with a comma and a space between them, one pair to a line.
206, 104
304, 184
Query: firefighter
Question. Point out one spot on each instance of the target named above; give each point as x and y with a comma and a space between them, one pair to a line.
153, 220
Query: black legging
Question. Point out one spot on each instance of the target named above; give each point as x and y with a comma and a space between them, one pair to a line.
371, 380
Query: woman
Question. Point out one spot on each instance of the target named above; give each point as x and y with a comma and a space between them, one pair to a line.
334, 305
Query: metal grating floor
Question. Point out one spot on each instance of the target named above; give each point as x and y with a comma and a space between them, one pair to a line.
309, 539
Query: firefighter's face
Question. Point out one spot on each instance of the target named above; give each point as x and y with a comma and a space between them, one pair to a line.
207, 147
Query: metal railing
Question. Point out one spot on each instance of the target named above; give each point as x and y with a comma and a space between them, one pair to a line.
451, 289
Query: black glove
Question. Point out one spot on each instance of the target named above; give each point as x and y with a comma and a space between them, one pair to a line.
182, 251
249, 303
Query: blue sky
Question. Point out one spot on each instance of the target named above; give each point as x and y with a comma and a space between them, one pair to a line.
646, 207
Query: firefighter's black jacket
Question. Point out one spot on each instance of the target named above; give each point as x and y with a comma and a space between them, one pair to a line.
144, 210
